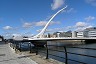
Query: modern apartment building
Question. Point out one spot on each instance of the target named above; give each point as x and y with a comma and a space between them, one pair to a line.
88, 32
74, 34
63, 34
91, 31
80, 34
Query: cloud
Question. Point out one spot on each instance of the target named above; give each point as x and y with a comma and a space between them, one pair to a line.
90, 18
92, 2
7, 27
71, 10
58, 29
53, 22
27, 25
81, 24
43, 23
57, 4
40, 23
82, 28
47, 30
89, 26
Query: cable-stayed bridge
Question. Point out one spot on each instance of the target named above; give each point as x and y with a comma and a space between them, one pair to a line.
39, 41
39, 37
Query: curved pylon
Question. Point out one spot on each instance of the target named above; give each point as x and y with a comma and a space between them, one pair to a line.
44, 29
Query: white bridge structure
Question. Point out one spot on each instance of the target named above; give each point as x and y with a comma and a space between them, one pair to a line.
44, 29
39, 36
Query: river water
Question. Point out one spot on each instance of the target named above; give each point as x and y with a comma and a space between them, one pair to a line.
85, 59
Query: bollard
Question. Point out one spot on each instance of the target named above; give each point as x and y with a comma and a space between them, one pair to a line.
15, 46
36, 50
66, 57
30, 47
46, 51
20, 47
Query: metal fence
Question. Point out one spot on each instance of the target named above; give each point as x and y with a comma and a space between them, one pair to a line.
65, 52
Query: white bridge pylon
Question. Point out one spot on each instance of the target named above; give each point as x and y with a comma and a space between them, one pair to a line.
39, 35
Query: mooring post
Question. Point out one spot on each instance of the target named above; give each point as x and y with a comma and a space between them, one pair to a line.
66, 57
10, 44
30, 47
37, 49
20, 46
46, 51
15, 46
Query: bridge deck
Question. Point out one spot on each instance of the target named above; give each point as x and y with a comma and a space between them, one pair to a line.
64, 38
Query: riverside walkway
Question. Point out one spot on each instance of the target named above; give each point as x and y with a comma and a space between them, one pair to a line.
8, 56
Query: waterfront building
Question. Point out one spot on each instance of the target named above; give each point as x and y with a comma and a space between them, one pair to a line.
74, 34
63, 34
68, 34
91, 32
80, 34
49, 35
59, 34
88, 32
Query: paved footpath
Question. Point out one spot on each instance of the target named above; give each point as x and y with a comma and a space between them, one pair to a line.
8, 56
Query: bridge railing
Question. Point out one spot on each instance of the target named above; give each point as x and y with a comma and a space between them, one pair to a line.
65, 52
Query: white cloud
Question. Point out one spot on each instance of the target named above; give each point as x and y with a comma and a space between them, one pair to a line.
43, 23
81, 24
90, 18
92, 2
71, 10
80, 29
47, 30
53, 22
40, 23
89, 26
57, 4
58, 29
7, 27
27, 25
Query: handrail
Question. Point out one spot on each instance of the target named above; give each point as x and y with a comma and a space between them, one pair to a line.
83, 48
66, 53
